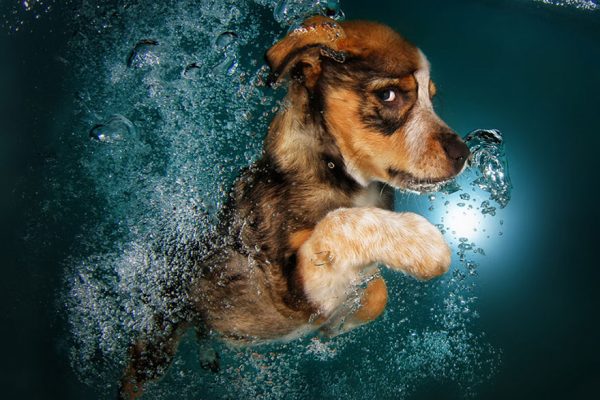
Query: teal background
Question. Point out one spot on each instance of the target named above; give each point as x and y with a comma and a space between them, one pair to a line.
528, 70
531, 72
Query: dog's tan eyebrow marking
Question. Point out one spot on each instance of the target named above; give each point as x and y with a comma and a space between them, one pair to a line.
406, 83
423, 112
422, 77
432, 88
358, 65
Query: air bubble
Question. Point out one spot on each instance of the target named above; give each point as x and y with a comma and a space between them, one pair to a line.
282, 11
450, 187
465, 246
331, 9
227, 66
486, 208
292, 12
115, 129
143, 54
471, 268
225, 39
192, 72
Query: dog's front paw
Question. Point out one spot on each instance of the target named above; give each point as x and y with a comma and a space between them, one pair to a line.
420, 249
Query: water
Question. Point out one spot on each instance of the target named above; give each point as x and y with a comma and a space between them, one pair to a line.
162, 104
162, 154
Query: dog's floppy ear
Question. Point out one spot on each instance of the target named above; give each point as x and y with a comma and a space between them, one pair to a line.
299, 53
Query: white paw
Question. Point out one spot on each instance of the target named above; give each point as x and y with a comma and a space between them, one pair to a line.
421, 250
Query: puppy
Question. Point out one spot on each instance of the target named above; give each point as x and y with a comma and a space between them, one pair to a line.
306, 226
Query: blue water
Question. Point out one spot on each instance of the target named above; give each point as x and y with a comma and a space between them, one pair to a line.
127, 120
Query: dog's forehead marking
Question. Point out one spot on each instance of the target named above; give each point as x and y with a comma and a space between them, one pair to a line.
423, 116
422, 76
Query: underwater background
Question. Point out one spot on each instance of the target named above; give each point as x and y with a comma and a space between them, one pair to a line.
122, 119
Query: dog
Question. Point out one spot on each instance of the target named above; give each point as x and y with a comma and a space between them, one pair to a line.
307, 225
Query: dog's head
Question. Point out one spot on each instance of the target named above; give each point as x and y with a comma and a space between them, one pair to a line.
371, 90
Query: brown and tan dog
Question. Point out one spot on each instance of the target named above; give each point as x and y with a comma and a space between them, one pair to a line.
309, 222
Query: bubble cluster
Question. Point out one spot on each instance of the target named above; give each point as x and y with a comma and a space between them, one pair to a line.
144, 54
292, 12
164, 110
489, 160
587, 5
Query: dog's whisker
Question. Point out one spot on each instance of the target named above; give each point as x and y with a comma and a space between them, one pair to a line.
383, 187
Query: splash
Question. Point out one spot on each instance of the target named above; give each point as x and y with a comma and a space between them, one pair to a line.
489, 160
487, 169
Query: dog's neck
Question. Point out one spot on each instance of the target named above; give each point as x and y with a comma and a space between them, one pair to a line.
298, 141
299, 146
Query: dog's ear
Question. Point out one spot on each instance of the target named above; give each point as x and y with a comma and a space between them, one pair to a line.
299, 53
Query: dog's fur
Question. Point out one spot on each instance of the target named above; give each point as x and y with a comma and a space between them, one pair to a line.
308, 223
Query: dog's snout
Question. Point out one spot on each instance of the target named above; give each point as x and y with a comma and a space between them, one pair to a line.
456, 150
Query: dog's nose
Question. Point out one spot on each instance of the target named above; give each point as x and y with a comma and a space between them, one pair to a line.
456, 150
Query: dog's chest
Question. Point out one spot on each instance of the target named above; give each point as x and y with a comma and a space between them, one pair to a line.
374, 195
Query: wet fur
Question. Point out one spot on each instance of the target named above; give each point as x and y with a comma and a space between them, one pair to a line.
306, 223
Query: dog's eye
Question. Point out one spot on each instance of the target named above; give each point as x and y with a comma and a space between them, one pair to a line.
387, 95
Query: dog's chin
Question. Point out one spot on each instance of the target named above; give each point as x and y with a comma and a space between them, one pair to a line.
421, 187
407, 182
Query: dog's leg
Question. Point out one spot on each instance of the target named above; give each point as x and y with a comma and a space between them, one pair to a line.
360, 311
346, 241
149, 359
372, 304
209, 358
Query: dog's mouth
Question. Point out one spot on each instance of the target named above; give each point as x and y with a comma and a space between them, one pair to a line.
408, 182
